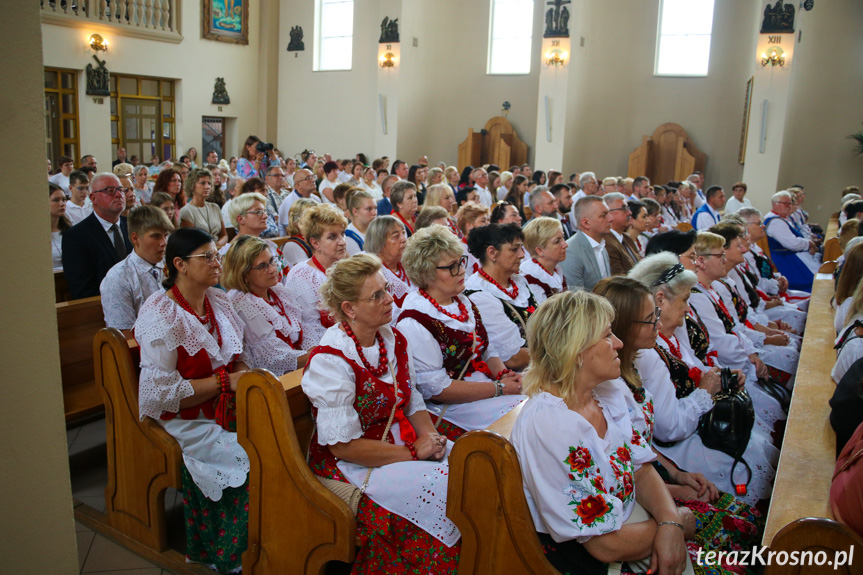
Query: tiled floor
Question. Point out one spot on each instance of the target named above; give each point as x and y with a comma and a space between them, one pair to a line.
89, 471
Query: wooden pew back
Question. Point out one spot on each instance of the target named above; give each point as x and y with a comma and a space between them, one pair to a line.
814, 535
296, 525
77, 324
143, 459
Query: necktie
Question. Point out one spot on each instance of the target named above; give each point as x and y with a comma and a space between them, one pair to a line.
119, 245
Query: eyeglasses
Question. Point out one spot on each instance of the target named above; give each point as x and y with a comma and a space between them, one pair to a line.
620, 209
272, 263
110, 190
260, 213
81, 188
783, 203
656, 313
722, 255
304, 180
379, 297
209, 257
454, 268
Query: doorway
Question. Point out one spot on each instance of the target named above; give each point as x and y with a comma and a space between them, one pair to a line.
213, 136
142, 117
141, 133
61, 115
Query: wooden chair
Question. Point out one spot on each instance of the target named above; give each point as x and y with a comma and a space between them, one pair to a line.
77, 323
814, 535
296, 525
280, 241
497, 143
684, 226
832, 251
669, 154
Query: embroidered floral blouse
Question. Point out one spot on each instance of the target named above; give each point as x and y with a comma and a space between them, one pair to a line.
579, 485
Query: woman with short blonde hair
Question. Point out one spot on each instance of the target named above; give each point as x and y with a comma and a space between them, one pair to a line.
323, 227
454, 359
544, 241
443, 196
361, 383
272, 334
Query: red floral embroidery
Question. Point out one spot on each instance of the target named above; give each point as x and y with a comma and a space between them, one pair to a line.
627, 484
579, 459
599, 483
623, 454
592, 508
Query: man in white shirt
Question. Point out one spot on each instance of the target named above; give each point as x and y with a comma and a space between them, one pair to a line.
737, 199
791, 252
586, 260
61, 178
329, 183
400, 169
344, 171
480, 179
79, 205
129, 283
699, 198
707, 215
304, 185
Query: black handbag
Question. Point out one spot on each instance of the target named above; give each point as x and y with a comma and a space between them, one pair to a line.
728, 426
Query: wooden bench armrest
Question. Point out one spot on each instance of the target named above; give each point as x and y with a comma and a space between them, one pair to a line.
296, 525
486, 502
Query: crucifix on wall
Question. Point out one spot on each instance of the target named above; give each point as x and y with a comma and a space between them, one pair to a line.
557, 19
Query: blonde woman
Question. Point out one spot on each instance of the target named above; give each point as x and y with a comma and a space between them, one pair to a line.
443, 196
543, 240
582, 462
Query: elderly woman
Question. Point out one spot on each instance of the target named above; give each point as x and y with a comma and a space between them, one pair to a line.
502, 295
249, 218
403, 196
362, 209
681, 394
455, 360
59, 223
143, 187
296, 249
505, 185
199, 213
373, 431
191, 342
323, 227
272, 334
543, 239
582, 463
171, 183
430, 216
386, 239
668, 395
443, 196
503, 212
369, 183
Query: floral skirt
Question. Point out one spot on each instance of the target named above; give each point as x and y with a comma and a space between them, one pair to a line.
450, 430
393, 545
217, 532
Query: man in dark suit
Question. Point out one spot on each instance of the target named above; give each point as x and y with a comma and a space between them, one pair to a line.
385, 206
563, 194
99, 241
622, 251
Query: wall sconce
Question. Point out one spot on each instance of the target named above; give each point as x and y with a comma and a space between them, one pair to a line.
388, 60
774, 56
98, 44
555, 58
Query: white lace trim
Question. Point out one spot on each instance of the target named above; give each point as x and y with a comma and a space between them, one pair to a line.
339, 424
252, 306
536, 271
304, 282
417, 302
479, 283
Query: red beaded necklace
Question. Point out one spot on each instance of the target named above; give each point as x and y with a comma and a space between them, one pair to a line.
717, 300
675, 349
534, 260
209, 316
318, 265
511, 295
382, 362
462, 309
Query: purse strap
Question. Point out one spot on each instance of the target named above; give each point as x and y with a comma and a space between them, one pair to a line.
854, 457
389, 422
460, 375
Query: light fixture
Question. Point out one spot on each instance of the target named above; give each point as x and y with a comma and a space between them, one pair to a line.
555, 58
773, 56
388, 60
98, 44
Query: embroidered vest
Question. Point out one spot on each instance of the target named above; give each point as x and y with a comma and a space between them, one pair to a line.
699, 341
764, 265
727, 322
546, 289
373, 403
679, 371
739, 305
517, 315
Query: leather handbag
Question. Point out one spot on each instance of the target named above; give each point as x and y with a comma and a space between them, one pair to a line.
728, 426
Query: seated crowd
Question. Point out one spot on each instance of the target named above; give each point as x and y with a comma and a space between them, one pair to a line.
421, 308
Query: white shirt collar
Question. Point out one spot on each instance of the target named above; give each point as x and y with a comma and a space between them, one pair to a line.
105, 223
595, 244
617, 235
142, 264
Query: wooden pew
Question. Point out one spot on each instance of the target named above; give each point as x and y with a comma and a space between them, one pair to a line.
296, 525
799, 508
832, 251
302, 526
77, 323
486, 502
61, 289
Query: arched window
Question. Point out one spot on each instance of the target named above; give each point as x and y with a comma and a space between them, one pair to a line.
334, 35
683, 40
510, 33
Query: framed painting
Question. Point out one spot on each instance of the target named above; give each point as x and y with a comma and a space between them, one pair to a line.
226, 20
747, 106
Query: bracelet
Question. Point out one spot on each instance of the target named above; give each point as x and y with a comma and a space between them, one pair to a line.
675, 523
412, 449
224, 380
498, 388
504, 372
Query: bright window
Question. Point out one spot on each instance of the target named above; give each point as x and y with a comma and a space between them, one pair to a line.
510, 36
334, 23
683, 42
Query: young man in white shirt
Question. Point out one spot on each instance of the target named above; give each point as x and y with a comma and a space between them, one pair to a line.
79, 205
708, 214
61, 178
480, 179
737, 199
129, 283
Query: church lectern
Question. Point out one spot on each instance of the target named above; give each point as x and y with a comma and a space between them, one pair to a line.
497, 143
668, 155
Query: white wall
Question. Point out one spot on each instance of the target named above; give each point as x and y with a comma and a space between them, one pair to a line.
194, 63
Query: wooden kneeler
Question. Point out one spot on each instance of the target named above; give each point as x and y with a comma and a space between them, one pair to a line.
812, 535
143, 459
296, 525
486, 502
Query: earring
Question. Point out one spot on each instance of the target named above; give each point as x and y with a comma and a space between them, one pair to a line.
580, 362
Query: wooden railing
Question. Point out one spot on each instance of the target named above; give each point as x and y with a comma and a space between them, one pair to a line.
152, 19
